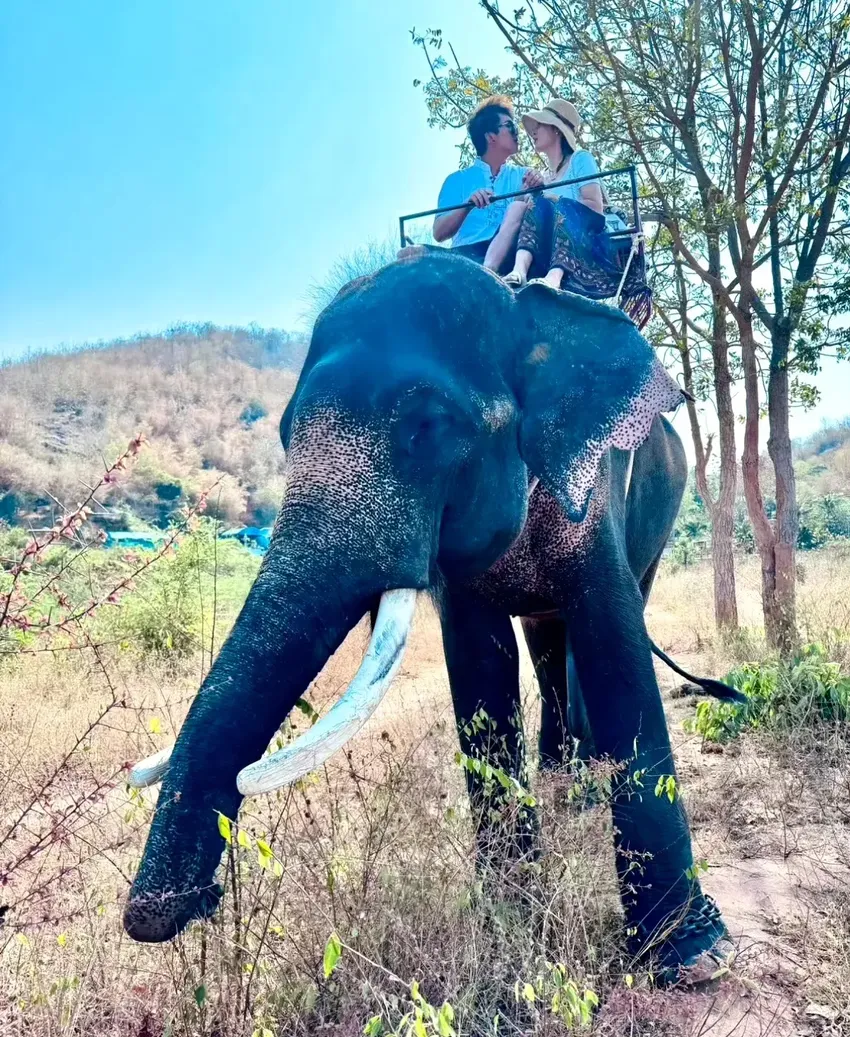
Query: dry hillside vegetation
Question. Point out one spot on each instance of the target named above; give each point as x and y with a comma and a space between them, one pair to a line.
376, 849
208, 399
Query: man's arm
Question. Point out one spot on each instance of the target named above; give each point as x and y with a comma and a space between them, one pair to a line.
447, 225
453, 193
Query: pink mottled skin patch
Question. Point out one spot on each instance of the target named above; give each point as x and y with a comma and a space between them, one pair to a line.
657, 394
533, 570
341, 473
498, 413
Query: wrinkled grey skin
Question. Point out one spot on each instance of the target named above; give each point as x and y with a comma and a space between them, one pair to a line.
448, 435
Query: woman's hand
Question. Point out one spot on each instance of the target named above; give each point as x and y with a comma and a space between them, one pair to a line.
533, 178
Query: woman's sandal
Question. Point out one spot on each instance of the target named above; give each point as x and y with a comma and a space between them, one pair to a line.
514, 279
542, 280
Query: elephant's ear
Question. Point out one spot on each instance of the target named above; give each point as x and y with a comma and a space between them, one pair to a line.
588, 381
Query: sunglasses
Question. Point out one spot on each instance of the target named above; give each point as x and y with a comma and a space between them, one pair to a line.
510, 126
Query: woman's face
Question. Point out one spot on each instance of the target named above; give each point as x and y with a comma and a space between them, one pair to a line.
545, 137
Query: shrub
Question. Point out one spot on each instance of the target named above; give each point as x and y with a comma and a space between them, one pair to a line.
189, 599
808, 690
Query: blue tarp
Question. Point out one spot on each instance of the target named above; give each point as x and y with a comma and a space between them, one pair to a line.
128, 538
257, 538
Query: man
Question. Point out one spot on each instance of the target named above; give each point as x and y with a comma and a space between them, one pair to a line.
475, 223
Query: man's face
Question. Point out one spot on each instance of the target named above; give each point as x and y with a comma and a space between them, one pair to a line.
504, 139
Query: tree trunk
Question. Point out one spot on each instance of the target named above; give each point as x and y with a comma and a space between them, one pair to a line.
777, 582
783, 602
723, 519
721, 510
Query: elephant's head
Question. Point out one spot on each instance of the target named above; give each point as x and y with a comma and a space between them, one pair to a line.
429, 393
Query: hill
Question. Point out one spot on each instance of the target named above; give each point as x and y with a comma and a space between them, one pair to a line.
822, 468
208, 399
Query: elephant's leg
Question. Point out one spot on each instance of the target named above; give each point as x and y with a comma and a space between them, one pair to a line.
547, 646
584, 750
483, 666
666, 911
564, 728
648, 579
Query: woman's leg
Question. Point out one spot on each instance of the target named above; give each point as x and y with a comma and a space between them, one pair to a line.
579, 252
534, 239
555, 276
506, 235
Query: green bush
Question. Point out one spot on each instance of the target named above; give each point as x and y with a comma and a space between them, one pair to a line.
187, 598
823, 520
167, 604
805, 691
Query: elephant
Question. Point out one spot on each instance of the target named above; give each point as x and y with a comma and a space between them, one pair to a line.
507, 454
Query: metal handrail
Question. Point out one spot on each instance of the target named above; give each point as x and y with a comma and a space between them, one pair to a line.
631, 170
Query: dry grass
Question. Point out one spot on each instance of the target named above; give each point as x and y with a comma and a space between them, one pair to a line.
377, 848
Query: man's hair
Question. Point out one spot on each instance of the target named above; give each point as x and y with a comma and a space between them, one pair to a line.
486, 119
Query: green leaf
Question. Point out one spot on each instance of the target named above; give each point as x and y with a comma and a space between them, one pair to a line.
333, 952
224, 828
374, 1028
528, 992
445, 1018
200, 996
154, 726
243, 839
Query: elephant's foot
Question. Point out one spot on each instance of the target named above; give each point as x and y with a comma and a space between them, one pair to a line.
687, 947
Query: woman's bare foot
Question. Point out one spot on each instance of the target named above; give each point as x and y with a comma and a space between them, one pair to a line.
554, 277
522, 264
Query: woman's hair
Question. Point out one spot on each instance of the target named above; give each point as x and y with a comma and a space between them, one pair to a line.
486, 118
566, 150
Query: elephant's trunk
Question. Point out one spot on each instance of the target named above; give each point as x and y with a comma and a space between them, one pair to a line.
358, 703
285, 633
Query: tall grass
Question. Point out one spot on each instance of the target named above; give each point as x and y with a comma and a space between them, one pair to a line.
371, 857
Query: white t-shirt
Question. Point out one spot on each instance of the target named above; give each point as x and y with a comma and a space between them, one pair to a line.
480, 224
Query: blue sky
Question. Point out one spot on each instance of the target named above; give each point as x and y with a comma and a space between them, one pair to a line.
188, 159
196, 160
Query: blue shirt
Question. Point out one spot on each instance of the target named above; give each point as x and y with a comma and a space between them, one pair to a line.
480, 224
582, 163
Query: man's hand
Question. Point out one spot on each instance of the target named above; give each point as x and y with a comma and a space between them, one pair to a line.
481, 198
532, 179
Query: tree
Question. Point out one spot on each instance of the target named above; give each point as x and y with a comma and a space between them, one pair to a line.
744, 152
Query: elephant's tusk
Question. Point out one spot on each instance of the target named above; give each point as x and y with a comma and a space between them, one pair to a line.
150, 770
350, 713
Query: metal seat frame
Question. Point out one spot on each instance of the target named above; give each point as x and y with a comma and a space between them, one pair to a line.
634, 233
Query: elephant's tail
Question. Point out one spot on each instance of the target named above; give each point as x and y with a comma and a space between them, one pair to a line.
717, 689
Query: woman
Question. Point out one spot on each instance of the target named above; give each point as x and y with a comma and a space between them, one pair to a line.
561, 233
553, 132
